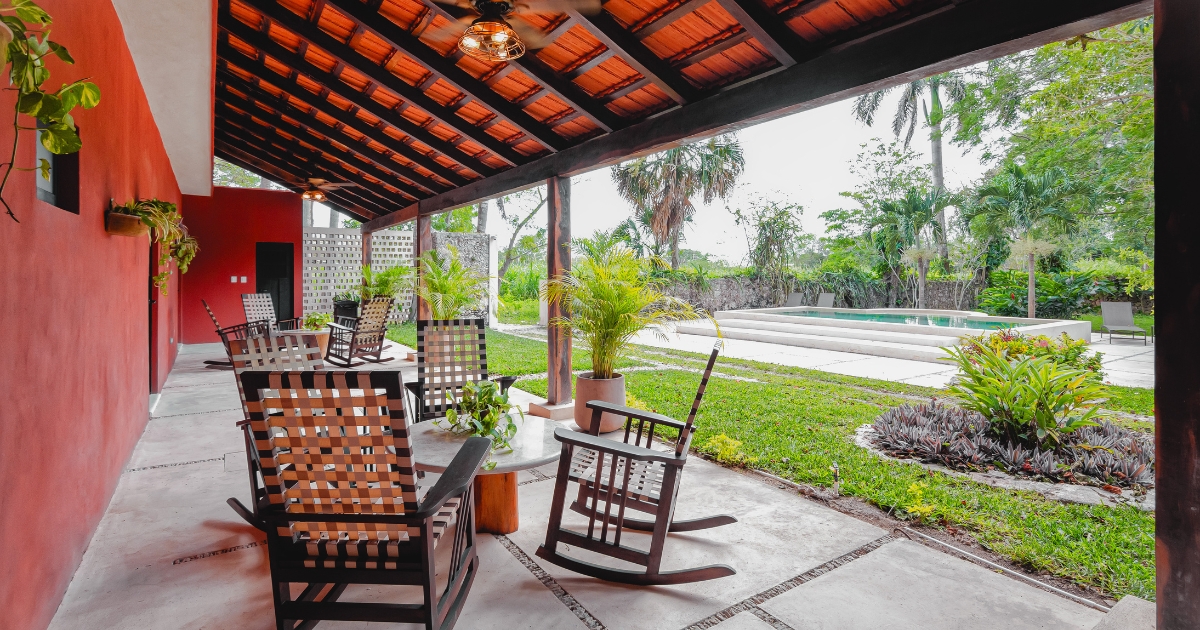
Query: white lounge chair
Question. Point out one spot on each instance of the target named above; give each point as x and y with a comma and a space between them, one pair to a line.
1117, 317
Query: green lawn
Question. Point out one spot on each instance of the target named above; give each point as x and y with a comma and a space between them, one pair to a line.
514, 311
1143, 321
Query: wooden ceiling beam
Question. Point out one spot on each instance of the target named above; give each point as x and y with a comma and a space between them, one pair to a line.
646, 28
343, 122
604, 28
713, 50
347, 55
765, 26
447, 70
803, 9
591, 63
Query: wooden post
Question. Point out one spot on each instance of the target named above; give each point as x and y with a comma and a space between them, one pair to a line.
366, 247
558, 262
1177, 310
422, 242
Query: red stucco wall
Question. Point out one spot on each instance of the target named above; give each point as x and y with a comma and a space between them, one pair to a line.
75, 371
228, 224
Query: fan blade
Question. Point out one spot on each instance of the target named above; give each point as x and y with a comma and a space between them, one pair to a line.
447, 31
531, 36
336, 186
465, 4
586, 7
316, 181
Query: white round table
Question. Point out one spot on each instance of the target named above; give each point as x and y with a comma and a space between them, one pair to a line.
496, 489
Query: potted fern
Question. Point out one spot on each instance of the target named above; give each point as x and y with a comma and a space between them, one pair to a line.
165, 224
609, 301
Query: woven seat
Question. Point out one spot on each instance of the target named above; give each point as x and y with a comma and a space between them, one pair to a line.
645, 479
450, 354
258, 306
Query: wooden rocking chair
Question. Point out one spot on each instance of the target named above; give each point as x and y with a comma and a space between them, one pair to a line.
360, 337
266, 353
450, 353
626, 476
341, 503
258, 306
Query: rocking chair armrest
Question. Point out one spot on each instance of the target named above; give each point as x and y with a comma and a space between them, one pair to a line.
459, 475
295, 323
336, 328
637, 414
597, 443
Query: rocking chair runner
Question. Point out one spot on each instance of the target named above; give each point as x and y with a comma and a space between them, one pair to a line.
341, 502
239, 331
627, 476
360, 337
259, 306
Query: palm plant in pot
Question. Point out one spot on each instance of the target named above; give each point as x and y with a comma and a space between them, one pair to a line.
609, 300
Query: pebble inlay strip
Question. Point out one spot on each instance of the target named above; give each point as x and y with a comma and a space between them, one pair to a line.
194, 461
537, 476
209, 554
549, 582
196, 413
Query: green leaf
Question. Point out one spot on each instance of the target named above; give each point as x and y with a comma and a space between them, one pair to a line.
44, 168
89, 94
15, 25
60, 138
29, 103
30, 12
60, 51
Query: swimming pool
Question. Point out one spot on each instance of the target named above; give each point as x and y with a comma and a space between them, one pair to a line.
912, 319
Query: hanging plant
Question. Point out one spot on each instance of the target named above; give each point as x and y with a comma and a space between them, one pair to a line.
167, 229
25, 43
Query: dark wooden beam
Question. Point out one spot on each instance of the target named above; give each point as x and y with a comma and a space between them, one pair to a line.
646, 28
422, 242
449, 72
1176, 311
804, 9
383, 161
254, 165
604, 28
558, 264
763, 25
968, 33
687, 59
350, 57
590, 64
308, 124
633, 86
330, 81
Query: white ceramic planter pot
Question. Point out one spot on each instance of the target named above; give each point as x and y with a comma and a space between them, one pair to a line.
610, 390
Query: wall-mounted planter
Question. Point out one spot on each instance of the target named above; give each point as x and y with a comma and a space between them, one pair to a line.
124, 225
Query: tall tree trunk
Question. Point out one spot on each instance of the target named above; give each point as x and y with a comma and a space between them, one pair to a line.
1032, 285
922, 270
935, 151
675, 250
481, 221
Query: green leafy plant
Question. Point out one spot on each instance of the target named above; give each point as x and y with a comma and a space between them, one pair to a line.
483, 411
387, 283
25, 42
916, 505
1063, 351
168, 230
447, 285
317, 321
1030, 400
1058, 295
726, 450
610, 301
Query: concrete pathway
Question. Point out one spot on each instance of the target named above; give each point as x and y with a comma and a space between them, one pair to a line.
170, 554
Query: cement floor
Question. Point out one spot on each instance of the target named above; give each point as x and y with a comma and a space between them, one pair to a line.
170, 554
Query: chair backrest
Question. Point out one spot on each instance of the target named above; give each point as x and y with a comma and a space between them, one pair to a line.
825, 300
258, 306
1116, 313
333, 442
216, 324
450, 353
691, 419
248, 330
285, 351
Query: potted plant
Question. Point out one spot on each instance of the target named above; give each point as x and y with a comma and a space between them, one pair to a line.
345, 304
483, 410
609, 300
316, 323
448, 286
165, 224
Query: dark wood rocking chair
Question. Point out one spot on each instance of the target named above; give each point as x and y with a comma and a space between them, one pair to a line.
341, 503
627, 476
258, 306
450, 353
288, 351
360, 337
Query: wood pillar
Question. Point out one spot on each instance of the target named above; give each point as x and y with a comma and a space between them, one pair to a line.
422, 242
1177, 312
558, 262
366, 248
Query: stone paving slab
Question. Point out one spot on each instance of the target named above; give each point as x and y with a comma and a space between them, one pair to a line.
905, 585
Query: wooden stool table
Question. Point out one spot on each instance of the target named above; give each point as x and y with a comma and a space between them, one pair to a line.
496, 489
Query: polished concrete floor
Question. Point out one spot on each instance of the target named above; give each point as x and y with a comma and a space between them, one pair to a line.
170, 554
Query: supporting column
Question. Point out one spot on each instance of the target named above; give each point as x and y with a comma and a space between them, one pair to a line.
558, 262
1177, 310
422, 242
366, 247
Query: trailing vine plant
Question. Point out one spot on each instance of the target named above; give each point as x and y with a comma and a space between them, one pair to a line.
25, 43
167, 228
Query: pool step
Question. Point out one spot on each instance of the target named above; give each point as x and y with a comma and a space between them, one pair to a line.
824, 330
824, 341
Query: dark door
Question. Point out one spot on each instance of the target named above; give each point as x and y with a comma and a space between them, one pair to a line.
274, 273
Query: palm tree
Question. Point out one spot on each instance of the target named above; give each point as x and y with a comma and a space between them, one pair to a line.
906, 229
666, 182
1017, 202
448, 285
934, 114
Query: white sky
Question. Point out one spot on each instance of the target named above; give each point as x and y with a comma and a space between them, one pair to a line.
803, 158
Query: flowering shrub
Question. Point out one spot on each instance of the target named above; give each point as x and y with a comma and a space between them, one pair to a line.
1016, 345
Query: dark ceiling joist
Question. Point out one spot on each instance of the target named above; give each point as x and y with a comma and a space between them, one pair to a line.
261, 168
444, 68
604, 28
806, 8
647, 28
629, 88
310, 119
349, 57
713, 50
967, 33
329, 81
782, 42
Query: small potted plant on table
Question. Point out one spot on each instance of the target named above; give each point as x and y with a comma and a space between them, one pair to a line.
316, 324
609, 300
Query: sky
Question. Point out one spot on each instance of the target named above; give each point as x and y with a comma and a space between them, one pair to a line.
803, 158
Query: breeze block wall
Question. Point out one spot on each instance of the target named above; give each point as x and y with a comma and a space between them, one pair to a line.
76, 374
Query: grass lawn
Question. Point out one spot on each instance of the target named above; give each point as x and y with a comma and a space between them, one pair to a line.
514, 311
795, 423
1143, 321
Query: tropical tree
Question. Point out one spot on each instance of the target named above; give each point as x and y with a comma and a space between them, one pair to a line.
1017, 203
666, 183
447, 285
907, 229
925, 95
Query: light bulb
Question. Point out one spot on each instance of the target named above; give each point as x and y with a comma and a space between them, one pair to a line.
470, 42
500, 37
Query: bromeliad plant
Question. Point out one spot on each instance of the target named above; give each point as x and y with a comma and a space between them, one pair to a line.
484, 411
25, 43
166, 228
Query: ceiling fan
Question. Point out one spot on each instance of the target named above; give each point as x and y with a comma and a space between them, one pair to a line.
501, 31
317, 186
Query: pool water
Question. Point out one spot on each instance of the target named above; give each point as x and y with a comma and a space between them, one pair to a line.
947, 321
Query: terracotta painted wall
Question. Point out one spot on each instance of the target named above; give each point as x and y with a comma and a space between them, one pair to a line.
228, 225
75, 374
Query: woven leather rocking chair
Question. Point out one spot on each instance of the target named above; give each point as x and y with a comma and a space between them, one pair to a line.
360, 337
289, 351
450, 353
238, 331
622, 476
341, 503
258, 306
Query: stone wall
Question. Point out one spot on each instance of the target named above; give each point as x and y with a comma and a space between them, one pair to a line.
733, 293
475, 251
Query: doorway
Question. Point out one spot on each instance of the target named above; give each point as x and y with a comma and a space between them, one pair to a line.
274, 273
